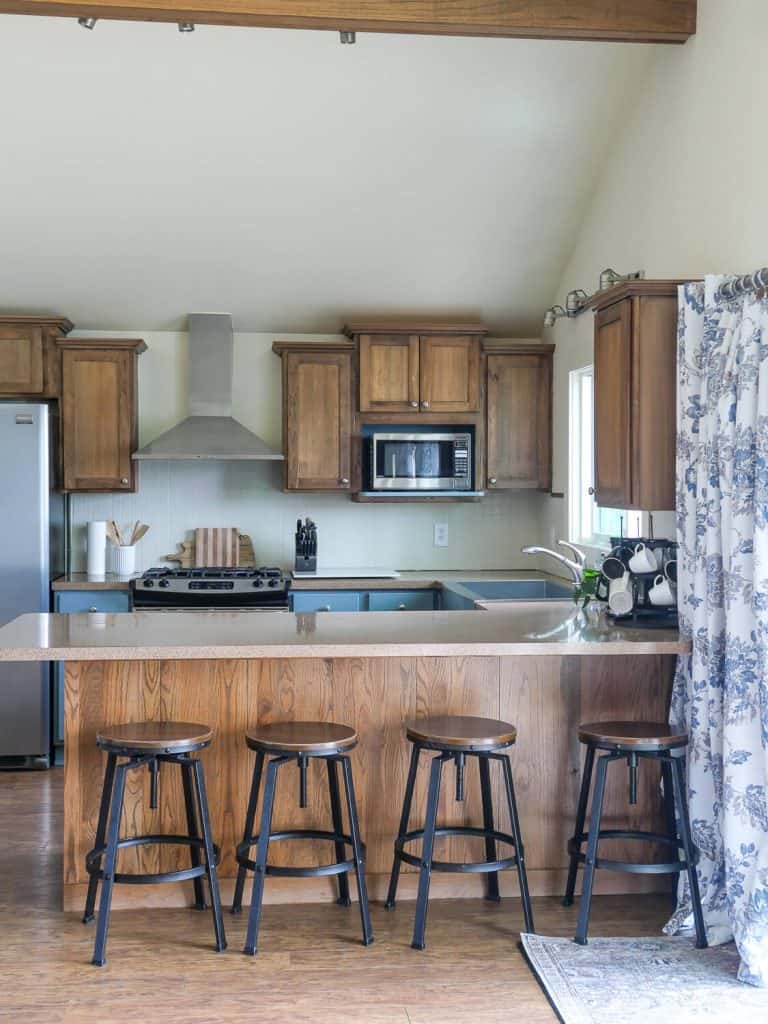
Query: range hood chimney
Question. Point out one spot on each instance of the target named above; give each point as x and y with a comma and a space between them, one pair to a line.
210, 431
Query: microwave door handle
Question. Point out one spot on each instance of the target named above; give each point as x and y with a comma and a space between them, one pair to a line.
394, 465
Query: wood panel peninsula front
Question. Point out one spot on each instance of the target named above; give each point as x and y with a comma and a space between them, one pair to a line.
535, 664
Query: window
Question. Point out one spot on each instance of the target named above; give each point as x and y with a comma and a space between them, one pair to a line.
588, 523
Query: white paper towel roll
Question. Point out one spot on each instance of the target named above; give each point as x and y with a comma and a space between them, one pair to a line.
97, 548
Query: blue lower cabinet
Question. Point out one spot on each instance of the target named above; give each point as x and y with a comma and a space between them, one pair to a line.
401, 600
69, 602
326, 601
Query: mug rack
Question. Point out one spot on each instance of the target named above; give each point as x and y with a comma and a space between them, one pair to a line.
644, 613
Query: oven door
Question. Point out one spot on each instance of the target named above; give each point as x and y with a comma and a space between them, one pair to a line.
414, 462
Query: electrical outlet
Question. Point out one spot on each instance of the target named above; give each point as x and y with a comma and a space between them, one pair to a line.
441, 535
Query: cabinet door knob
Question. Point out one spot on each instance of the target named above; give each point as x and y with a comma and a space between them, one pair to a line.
401, 607
124, 480
93, 608
325, 608
414, 405
590, 490
344, 481
492, 481
425, 405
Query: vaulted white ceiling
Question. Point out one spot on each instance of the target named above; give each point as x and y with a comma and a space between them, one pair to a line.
293, 181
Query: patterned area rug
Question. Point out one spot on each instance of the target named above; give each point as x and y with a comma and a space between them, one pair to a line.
623, 981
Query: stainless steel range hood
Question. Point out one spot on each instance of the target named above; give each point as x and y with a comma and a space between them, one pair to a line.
209, 432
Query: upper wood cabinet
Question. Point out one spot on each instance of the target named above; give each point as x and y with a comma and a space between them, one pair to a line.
635, 395
519, 416
418, 367
29, 360
317, 415
99, 413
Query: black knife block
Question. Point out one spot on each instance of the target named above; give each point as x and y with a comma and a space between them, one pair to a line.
304, 564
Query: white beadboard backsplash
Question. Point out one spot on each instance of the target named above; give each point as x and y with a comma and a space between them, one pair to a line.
176, 497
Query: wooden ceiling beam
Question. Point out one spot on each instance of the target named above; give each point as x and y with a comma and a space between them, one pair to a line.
640, 21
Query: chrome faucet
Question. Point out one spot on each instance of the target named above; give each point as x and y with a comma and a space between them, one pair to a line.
576, 568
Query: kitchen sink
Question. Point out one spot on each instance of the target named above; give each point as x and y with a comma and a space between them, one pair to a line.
516, 590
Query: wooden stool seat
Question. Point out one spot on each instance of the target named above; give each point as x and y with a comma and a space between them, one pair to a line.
311, 738
632, 735
460, 731
155, 737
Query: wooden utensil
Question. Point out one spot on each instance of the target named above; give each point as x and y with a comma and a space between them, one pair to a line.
139, 533
112, 533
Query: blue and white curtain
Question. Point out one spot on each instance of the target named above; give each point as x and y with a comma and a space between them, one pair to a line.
721, 690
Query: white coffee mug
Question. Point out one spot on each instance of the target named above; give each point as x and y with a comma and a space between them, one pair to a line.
662, 591
621, 600
643, 560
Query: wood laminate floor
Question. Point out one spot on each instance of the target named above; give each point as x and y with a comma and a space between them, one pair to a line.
311, 966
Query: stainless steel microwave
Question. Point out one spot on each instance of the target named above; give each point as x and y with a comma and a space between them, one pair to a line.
420, 461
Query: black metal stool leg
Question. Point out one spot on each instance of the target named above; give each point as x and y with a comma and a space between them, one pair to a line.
109, 865
262, 849
669, 799
492, 889
428, 842
192, 829
592, 839
403, 827
357, 848
210, 858
691, 854
581, 816
250, 817
522, 877
101, 831
338, 828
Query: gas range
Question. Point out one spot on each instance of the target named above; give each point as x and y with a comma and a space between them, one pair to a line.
263, 589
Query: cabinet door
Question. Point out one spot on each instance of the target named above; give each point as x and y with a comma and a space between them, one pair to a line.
519, 396
21, 360
401, 600
449, 374
389, 373
613, 372
318, 420
325, 601
98, 413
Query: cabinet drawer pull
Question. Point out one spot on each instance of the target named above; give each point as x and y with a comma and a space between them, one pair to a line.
590, 490
492, 481
325, 608
401, 607
425, 405
124, 480
93, 608
344, 481
414, 405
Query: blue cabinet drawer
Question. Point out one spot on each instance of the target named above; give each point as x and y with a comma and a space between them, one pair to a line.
325, 600
401, 600
92, 601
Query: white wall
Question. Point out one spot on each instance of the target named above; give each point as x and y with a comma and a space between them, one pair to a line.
683, 192
174, 498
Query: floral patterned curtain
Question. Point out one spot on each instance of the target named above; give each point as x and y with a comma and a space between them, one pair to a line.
721, 690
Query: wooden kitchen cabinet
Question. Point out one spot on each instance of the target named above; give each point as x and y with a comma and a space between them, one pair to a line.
29, 359
635, 395
99, 413
419, 367
317, 416
519, 416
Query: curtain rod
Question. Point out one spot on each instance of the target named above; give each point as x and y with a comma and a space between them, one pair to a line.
745, 283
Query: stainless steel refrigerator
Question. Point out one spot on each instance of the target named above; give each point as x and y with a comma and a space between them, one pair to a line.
31, 554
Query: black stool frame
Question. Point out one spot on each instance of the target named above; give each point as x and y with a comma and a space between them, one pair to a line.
108, 840
673, 778
426, 864
265, 836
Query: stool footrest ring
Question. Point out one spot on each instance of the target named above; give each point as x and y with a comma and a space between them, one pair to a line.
631, 868
318, 871
93, 860
483, 866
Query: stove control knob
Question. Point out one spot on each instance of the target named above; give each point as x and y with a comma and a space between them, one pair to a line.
149, 583
164, 583
258, 583
274, 583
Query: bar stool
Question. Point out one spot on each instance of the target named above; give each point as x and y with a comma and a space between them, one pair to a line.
151, 744
455, 738
632, 741
300, 741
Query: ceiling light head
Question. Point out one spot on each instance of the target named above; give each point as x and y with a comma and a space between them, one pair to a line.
89, 23
574, 301
347, 37
553, 314
610, 277
186, 26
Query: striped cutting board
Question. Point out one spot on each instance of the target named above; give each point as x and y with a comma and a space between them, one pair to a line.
217, 546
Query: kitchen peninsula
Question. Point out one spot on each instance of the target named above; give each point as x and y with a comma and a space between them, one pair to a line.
538, 665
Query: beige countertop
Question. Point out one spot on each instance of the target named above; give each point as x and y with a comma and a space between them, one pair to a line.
521, 628
82, 581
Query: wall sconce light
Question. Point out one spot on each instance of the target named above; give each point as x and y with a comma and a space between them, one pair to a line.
89, 23
575, 300
553, 314
347, 37
186, 26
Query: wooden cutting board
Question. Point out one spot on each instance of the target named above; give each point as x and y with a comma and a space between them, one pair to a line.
186, 556
217, 546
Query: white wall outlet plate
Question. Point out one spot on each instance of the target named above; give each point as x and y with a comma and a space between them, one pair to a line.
441, 535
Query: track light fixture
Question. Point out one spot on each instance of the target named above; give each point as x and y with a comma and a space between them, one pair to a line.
610, 277
89, 23
553, 314
574, 301
186, 26
347, 37
577, 300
